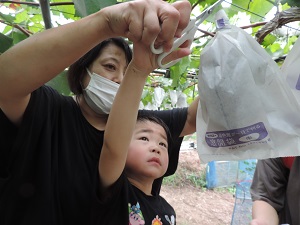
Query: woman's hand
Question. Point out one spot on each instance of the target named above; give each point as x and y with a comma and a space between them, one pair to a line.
145, 20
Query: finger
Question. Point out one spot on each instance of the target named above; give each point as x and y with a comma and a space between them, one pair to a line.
177, 54
169, 19
184, 8
143, 22
158, 43
134, 32
151, 26
134, 19
186, 44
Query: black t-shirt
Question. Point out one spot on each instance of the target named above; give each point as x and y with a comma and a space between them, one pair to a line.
274, 183
123, 202
48, 165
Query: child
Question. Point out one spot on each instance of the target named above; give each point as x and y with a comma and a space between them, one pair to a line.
133, 155
147, 159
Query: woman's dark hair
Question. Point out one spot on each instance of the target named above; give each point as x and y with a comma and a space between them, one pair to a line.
144, 117
77, 70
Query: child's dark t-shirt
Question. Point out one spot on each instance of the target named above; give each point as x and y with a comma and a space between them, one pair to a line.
126, 204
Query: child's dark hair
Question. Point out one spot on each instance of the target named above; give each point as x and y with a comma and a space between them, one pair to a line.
144, 117
77, 70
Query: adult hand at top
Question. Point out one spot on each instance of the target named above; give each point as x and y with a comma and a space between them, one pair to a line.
144, 20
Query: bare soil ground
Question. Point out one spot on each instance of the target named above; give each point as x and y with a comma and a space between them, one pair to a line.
195, 205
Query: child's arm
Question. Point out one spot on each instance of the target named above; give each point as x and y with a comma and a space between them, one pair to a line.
123, 115
120, 125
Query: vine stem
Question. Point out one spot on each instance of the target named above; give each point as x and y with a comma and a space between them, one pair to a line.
36, 4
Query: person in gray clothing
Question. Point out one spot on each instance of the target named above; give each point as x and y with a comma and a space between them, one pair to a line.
275, 192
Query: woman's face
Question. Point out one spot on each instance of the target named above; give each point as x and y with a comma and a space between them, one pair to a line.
111, 64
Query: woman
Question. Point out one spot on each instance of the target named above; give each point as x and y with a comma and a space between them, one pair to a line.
50, 144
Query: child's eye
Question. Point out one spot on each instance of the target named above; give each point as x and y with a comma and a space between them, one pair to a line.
163, 144
144, 139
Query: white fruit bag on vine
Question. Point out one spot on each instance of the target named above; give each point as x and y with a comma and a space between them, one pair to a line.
247, 109
159, 95
291, 69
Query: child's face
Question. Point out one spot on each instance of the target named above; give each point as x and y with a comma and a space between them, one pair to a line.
148, 150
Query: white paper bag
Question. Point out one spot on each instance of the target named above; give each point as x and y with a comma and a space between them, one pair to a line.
291, 69
247, 110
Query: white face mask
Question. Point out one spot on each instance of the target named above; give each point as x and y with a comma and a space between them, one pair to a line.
100, 93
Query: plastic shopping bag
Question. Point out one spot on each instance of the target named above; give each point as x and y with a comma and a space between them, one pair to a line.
247, 110
291, 69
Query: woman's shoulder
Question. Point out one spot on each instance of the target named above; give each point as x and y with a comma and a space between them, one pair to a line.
50, 94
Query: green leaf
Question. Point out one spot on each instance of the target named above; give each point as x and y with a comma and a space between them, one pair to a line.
260, 8
7, 30
194, 61
87, 7
17, 36
257, 9
178, 69
67, 10
6, 43
7, 18
289, 45
22, 17
36, 18
291, 2
241, 3
206, 3
60, 83
285, 7
275, 47
275, 50
269, 40
286, 49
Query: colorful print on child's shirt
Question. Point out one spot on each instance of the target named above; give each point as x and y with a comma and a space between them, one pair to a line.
171, 220
156, 221
135, 215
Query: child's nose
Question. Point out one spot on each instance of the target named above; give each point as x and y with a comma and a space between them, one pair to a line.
155, 150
